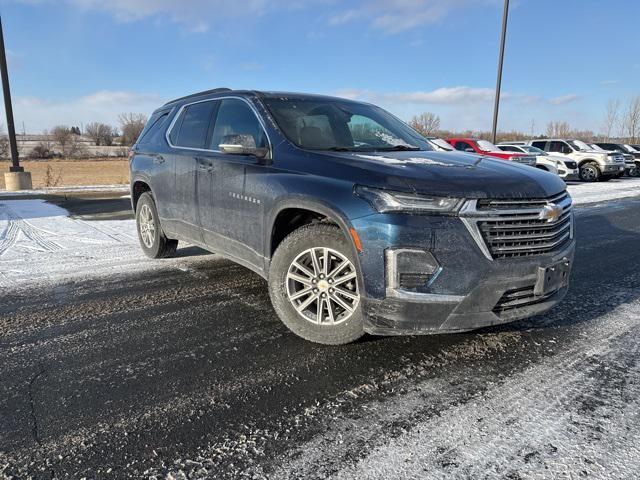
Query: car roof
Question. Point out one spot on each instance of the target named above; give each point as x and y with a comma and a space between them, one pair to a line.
263, 94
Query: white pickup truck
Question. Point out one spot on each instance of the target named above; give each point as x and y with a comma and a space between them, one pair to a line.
593, 165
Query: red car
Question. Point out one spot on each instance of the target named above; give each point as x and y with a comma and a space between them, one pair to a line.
484, 147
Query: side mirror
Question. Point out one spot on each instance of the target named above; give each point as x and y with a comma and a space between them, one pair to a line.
242, 144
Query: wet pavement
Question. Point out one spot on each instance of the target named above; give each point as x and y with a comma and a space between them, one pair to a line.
187, 373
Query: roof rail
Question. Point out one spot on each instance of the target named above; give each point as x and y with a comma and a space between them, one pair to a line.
206, 92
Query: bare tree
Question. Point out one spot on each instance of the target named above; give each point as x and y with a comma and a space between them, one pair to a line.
426, 123
67, 139
558, 129
131, 125
100, 133
631, 120
611, 117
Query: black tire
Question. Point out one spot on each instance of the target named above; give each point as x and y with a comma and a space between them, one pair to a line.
301, 240
159, 246
590, 172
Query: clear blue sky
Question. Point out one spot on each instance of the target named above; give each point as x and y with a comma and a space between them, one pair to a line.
73, 61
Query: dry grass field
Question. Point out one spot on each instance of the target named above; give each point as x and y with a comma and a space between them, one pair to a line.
59, 173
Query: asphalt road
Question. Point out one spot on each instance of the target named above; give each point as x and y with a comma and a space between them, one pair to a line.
189, 374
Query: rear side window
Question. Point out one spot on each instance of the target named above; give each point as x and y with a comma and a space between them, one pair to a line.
235, 117
154, 130
462, 146
558, 147
539, 145
191, 128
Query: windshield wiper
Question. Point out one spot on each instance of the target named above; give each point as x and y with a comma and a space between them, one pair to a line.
341, 149
399, 148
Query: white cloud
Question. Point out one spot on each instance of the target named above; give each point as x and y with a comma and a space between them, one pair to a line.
471, 108
395, 16
195, 15
564, 99
40, 114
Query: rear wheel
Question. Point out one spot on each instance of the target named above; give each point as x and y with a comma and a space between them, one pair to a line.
313, 284
153, 241
590, 172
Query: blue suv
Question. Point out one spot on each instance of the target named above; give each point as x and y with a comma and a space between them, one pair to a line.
355, 222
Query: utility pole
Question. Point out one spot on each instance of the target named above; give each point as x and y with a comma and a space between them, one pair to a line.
496, 105
16, 178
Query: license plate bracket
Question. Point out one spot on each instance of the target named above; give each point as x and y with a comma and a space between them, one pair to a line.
552, 278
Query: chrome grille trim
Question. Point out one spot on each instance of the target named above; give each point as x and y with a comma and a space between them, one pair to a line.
507, 228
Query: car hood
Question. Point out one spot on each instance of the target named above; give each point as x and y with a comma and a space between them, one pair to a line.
448, 174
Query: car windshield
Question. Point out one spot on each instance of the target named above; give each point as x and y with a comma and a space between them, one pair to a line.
580, 145
533, 150
597, 148
442, 144
333, 124
487, 146
630, 149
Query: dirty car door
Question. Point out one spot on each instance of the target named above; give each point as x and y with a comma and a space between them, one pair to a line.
238, 209
189, 141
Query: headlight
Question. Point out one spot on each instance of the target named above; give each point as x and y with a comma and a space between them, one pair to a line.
387, 201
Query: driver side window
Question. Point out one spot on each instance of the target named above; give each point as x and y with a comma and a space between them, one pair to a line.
236, 120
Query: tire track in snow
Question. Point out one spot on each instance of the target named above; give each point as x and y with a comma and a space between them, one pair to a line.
15, 225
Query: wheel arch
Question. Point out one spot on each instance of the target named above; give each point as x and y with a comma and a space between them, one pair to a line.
320, 210
138, 187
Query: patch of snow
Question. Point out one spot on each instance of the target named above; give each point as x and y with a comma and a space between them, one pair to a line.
596, 192
41, 245
69, 189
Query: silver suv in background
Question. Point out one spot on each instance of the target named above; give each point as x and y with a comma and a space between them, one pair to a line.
563, 166
593, 165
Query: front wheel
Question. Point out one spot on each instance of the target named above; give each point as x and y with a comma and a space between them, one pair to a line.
590, 172
313, 284
153, 241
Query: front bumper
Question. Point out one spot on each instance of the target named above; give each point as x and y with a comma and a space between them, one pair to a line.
567, 175
466, 293
613, 168
415, 314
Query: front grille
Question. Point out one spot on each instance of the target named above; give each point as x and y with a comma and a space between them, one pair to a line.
519, 298
511, 228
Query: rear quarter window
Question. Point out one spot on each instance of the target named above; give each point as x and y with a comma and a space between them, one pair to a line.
154, 130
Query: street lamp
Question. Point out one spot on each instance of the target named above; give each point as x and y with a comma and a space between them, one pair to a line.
496, 105
16, 178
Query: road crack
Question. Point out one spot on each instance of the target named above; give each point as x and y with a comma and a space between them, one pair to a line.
34, 417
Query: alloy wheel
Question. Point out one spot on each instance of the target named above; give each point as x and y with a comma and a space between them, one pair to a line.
322, 286
147, 226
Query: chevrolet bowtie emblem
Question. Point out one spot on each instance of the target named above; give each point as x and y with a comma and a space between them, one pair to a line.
550, 212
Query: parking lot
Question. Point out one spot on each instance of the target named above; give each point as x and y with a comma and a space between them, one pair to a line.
113, 365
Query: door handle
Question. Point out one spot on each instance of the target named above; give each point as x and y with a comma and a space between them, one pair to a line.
205, 165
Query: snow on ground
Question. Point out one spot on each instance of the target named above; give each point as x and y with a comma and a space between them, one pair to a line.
68, 189
603, 191
40, 244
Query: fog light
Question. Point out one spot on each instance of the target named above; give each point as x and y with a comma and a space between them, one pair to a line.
410, 269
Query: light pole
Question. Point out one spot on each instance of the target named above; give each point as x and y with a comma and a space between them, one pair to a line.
16, 178
496, 104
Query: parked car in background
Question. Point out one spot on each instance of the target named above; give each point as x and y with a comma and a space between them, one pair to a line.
484, 147
440, 144
593, 165
563, 166
631, 157
354, 221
